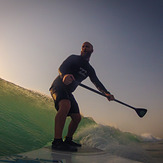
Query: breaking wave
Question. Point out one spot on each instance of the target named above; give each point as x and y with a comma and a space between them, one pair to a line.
147, 137
113, 141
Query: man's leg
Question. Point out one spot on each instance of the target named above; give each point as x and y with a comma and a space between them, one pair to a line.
64, 107
72, 128
76, 118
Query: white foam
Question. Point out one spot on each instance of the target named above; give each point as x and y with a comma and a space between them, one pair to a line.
149, 137
113, 141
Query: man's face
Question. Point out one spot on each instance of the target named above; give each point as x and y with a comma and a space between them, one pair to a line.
86, 50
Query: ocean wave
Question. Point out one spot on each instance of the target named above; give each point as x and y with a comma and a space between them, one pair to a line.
112, 140
147, 137
101, 136
26, 120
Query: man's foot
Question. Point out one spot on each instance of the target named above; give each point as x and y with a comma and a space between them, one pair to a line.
69, 141
58, 144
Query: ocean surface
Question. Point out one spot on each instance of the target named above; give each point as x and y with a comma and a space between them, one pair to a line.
27, 123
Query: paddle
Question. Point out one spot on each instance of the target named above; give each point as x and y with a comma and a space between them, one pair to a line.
140, 111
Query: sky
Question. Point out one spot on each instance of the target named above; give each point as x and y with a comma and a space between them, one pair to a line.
36, 36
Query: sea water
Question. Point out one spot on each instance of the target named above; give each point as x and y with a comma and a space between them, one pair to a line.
126, 145
27, 123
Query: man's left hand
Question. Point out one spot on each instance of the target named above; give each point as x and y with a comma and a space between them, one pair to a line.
110, 97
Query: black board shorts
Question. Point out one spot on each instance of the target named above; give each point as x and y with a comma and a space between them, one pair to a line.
59, 93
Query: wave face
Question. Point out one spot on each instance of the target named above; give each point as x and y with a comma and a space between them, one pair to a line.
26, 119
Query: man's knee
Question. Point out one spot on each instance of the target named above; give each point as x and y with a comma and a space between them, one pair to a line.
64, 106
76, 118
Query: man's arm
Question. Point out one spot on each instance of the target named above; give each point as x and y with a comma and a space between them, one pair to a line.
99, 85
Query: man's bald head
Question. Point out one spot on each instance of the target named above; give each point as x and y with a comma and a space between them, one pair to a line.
87, 50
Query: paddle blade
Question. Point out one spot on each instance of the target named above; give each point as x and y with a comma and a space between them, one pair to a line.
141, 112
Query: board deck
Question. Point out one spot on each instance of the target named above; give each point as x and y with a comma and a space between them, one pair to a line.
81, 150
85, 154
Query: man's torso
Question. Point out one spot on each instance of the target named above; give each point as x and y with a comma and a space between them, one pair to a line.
76, 66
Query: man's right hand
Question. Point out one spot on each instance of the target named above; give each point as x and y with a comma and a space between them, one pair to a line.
68, 79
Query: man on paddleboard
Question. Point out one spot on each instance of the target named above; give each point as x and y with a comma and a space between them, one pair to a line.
72, 71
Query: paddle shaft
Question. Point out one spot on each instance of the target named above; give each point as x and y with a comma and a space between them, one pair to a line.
93, 90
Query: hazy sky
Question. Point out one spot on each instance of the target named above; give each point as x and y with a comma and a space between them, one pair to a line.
37, 35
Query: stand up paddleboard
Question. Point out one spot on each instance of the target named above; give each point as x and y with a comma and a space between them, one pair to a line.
85, 154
